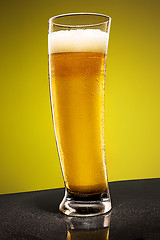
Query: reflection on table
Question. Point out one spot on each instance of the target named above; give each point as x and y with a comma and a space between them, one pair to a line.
87, 228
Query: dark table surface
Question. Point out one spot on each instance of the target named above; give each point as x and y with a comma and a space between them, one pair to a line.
34, 215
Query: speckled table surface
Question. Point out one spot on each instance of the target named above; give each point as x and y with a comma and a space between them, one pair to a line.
34, 215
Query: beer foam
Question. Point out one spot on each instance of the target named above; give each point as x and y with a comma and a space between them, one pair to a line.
88, 40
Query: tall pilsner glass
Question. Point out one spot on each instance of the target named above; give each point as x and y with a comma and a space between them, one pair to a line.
77, 60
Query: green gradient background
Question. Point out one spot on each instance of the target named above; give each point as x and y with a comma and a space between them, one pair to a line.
28, 155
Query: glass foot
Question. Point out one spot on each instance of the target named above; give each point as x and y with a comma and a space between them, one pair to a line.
85, 205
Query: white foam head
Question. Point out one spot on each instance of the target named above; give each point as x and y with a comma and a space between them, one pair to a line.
88, 40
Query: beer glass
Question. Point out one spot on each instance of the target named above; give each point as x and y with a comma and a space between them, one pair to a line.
77, 45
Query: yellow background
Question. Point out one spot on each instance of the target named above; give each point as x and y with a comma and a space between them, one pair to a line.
28, 155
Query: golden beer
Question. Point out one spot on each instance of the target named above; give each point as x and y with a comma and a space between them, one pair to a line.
77, 94
77, 83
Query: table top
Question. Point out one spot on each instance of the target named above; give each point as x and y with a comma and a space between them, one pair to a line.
135, 215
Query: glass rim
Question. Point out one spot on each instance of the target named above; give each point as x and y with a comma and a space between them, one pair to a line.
77, 25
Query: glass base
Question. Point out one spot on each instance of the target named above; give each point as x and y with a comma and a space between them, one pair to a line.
85, 205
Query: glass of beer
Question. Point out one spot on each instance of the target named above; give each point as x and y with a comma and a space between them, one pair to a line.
77, 45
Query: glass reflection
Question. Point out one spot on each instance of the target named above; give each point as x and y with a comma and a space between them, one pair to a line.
88, 228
